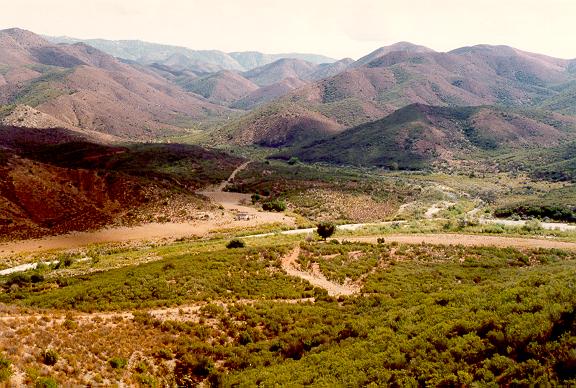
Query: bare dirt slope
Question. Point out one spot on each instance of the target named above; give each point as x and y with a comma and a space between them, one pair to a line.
214, 220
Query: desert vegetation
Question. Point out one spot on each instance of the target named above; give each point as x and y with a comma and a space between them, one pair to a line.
426, 314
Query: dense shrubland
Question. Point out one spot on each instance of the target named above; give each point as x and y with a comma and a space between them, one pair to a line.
426, 315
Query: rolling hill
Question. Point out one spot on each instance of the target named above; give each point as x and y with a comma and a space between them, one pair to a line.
420, 136
268, 93
224, 87
280, 70
276, 126
84, 87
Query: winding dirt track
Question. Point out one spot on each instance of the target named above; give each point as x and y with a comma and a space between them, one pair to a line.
316, 278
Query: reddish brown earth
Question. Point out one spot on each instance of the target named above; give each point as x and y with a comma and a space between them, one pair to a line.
224, 87
279, 70
84, 87
54, 181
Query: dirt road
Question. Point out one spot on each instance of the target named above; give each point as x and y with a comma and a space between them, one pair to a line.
469, 240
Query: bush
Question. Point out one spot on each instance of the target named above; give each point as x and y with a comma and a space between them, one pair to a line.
255, 198
50, 357
5, 369
274, 206
46, 382
117, 362
191, 368
325, 229
236, 243
165, 354
532, 226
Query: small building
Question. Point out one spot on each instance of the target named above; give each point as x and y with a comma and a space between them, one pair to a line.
243, 216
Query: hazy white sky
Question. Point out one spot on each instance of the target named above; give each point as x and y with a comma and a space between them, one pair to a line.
338, 28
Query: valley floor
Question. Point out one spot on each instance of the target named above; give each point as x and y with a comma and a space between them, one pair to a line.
165, 304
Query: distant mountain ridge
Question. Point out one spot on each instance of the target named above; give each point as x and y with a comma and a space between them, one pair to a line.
148, 53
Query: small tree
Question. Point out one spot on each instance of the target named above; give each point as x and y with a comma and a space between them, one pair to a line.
50, 357
255, 198
325, 229
276, 205
236, 243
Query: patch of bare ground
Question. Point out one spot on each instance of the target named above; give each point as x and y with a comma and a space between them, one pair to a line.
323, 204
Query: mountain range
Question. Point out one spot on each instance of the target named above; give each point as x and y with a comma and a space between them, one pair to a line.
131, 90
201, 60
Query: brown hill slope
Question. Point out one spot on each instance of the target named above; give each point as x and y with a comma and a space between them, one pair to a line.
277, 125
54, 181
279, 70
223, 87
478, 75
84, 87
400, 46
268, 93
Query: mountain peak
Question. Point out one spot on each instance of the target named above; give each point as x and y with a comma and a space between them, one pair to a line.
385, 50
24, 38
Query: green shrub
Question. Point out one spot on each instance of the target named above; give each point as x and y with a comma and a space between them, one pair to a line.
45, 382
325, 229
70, 324
293, 160
236, 243
117, 362
532, 226
165, 354
276, 205
5, 368
255, 198
192, 368
50, 357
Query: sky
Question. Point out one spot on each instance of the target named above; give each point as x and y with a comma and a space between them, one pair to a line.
337, 28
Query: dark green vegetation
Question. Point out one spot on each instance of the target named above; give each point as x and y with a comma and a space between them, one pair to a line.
556, 164
418, 136
183, 165
552, 212
236, 243
325, 229
277, 179
184, 276
275, 205
427, 315
500, 317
